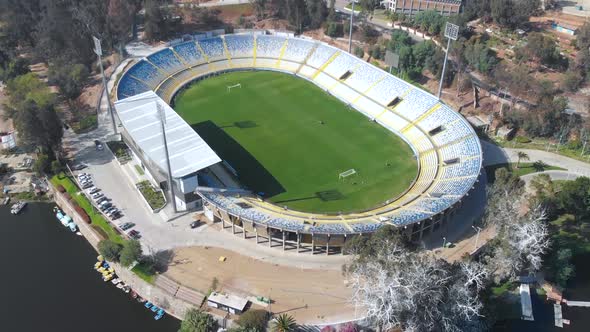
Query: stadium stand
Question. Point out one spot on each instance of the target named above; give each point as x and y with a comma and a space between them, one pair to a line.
435, 132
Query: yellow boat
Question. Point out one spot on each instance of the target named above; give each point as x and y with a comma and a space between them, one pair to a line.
111, 269
97, 265
100, 258
101, 269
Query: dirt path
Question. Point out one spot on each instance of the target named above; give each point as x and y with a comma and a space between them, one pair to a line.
311, 296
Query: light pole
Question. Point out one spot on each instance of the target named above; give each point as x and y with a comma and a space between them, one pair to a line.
350, 32
477, 229
98, 51
452, 33
162, 116
444, 241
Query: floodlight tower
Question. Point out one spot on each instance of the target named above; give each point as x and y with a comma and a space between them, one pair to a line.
162, 117
452, 33
98, 51
350, 32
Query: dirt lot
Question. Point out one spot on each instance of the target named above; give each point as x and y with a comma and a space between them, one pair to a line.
311, 296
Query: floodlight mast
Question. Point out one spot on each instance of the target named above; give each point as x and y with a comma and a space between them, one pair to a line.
350, 32
98, 51
162, 117
452, 33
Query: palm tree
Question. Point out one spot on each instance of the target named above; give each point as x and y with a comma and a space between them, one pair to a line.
521, 156
284, 323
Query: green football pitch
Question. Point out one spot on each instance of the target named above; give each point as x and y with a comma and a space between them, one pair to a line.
290, 140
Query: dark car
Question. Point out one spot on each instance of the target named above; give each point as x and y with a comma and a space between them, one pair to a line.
134, 235
195, 224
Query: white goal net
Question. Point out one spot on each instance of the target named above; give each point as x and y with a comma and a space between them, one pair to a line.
229, 87
346, 173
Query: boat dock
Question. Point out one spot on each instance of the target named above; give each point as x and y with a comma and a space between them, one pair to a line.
558, 315
577, 303
526, 303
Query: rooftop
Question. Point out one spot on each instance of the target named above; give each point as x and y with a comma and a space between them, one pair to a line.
231, 301
189, 153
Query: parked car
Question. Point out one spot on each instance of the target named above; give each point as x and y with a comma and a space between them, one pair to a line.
127, 225
98, 145
134, 234
97, 195
87, 185
102, 199
79, 166
105, 206
195, 224
116, 215
93, 190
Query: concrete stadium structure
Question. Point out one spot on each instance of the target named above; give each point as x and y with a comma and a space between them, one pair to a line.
447, 149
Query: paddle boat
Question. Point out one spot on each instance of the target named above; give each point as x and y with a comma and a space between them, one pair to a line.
154, 309
148, 304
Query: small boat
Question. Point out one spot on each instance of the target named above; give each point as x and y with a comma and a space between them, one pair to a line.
100, 258
116, 281
73, 227
154, 309
148, 304
161, 312
134, 294
97, 265
120, 285
158, 316
6, 200
126, 289
18, 207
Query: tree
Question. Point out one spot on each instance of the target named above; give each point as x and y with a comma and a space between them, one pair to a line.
42, 164
130, 253
583, 37
110, 250
156, 25
416, 291
480, 57
349, 327
11, 68
56, 167
522, 239
255, 319
120, 16
259, 7
512, 13
521, 156
563, 268
284, 323
542, 48
572, 80
198, 321
574, 198
296, 14
69, 78
317, 12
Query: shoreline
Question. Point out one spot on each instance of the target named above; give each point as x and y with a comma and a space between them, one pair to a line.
151, 292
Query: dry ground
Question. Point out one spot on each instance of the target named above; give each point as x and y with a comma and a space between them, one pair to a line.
311, 296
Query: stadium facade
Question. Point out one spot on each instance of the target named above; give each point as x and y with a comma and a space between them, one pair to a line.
447, 149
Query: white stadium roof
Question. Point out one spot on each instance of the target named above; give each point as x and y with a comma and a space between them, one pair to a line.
188, 151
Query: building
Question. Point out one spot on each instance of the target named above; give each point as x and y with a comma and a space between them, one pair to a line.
188, 152
413, 7
226, 302
566, 28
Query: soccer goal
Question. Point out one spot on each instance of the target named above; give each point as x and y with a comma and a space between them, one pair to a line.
229, 87
347, 173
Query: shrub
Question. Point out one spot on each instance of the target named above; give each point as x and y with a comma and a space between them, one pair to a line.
334, 29
522, 139
61, 189
67, 196
254, 319
358, 51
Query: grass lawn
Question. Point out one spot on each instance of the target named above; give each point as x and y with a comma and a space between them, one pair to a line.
290, 140
523, 169
141, 272
97, 219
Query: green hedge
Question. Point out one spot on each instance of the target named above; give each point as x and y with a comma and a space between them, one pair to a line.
153, 196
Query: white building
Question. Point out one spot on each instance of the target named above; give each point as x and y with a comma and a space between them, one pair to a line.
189, 153
412, 7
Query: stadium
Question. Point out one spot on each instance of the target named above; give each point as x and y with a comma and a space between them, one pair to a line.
293, 142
